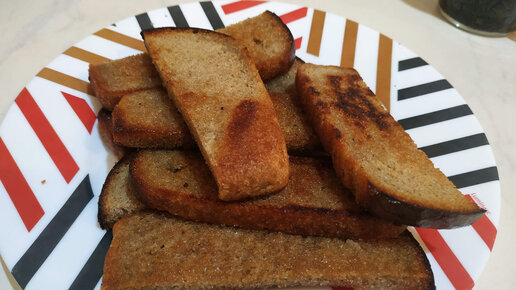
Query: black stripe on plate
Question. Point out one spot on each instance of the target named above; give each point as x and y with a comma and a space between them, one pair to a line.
91, 272
474, 177
45, 243
144, 21
177, 16
411, 63
423, 89
212, 15
435, 117
455, 145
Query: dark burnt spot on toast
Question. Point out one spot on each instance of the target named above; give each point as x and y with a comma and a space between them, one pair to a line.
257, 41
338, 134
313, 91
175, 169
354, 101
242, 118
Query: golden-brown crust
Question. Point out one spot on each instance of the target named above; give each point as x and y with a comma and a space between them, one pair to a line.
148, 119
110, 81
259, 34
391, 178
313, 203
103, 215
106, 134
217, 102
156, 251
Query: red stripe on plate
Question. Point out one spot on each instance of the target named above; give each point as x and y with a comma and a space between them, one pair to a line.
297, 42
239, 5
484, 227
445, 257
19, 191
486, 230
82, 109
47, 135
294, 15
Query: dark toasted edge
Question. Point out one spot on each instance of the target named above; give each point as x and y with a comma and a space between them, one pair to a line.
377, 202
290, 55
105, 127
102, 214
290, 219
388, 207
135, 136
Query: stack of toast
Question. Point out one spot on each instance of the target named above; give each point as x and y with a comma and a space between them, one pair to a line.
243, 167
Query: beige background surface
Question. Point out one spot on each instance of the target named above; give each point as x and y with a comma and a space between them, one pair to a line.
482, 69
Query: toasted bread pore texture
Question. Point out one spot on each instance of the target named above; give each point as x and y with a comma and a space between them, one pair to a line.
269, 42
374, 156
114, 79
149, 119
216, 87
117, 198
156, 252
313, 203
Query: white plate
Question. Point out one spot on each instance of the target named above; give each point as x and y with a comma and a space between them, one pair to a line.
53, 164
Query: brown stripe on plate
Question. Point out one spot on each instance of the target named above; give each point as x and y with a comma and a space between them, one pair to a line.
63, 79
121, 39
347, 58
85, 55
383, 73
316, 30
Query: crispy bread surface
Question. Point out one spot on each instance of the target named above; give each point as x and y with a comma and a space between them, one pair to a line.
268, 39
216, 87
313, 203
149, 119
117, 198
114, 79
106, 134
154, 251
374, 156
269, 42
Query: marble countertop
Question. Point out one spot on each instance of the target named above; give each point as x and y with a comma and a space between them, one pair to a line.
482, 69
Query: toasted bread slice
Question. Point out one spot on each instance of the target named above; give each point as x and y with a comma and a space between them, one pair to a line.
268, 39
149, 119
284, 83
117, 198
375, 157
313, 203
154, 251
114, 79
269, 42
298, 132
106, 134
216, 87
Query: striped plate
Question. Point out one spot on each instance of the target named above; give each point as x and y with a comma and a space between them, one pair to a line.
53, 163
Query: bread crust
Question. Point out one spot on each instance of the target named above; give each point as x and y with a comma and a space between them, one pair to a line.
155, 251
259, 34
314, 203
106, 134
227, 109
110, 81
351, 123
268, 39
148, 119
109, 213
